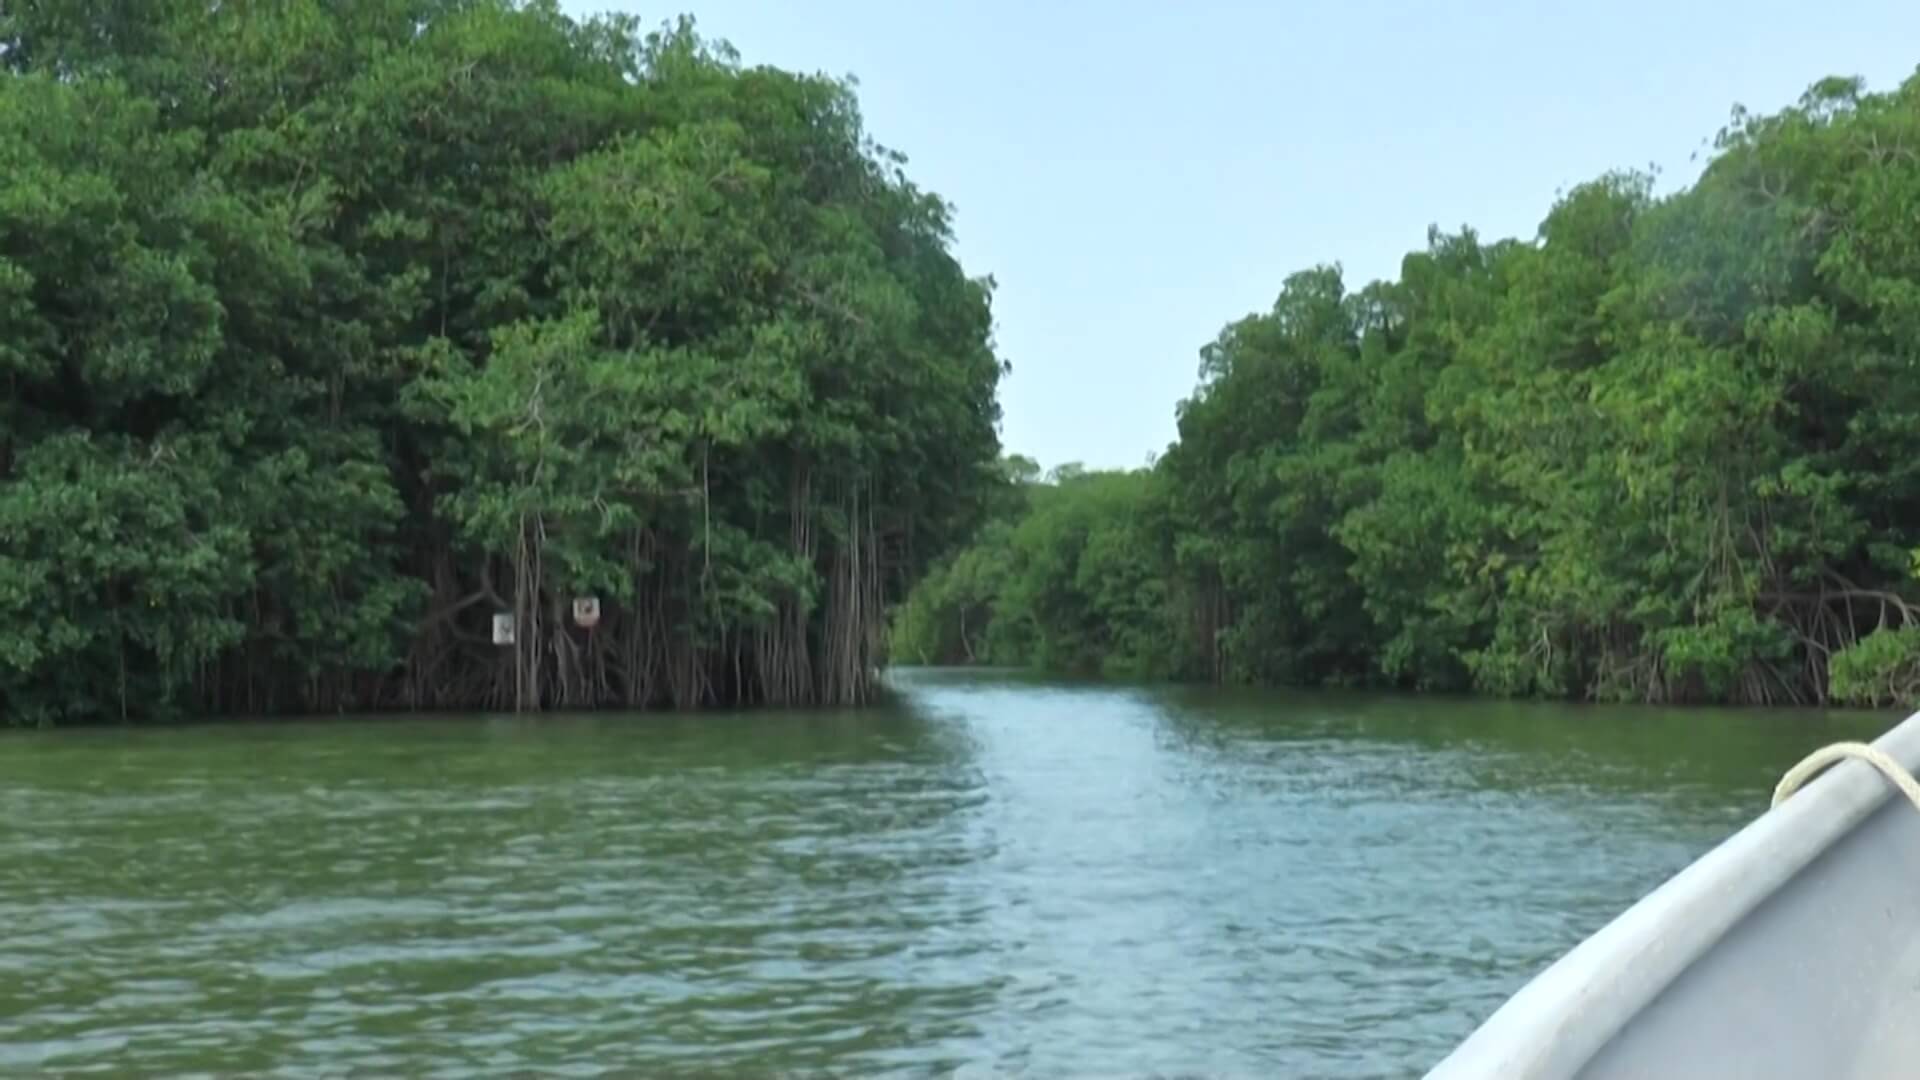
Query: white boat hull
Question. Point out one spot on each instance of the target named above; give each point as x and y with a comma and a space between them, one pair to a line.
1792, 950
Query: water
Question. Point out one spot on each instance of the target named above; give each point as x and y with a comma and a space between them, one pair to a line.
996, 876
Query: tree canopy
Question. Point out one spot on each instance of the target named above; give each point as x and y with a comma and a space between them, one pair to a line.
1667, 451
332, 331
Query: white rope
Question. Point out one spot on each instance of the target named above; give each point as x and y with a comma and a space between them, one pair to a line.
1812, 764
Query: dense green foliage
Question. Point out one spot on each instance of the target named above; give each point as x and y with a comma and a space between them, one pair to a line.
1070, 581
1668, 451
329, 331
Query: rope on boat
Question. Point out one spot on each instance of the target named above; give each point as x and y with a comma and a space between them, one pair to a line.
1811, 765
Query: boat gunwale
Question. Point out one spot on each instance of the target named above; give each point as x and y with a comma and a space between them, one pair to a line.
1561, 1019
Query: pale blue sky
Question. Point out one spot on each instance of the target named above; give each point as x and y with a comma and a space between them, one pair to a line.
1137, 174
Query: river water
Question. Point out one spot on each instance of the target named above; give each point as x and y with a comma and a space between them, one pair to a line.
993, 876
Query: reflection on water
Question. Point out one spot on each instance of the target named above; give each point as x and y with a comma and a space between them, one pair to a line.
995, 875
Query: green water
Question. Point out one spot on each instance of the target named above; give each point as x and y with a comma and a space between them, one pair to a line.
995, 876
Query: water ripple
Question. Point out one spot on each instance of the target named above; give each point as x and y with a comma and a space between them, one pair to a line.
994, 877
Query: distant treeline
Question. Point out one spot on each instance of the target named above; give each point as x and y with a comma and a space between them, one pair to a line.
333, 332
1669, 451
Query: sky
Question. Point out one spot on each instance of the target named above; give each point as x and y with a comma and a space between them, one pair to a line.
1136, 175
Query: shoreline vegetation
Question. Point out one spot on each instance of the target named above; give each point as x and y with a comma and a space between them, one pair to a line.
1667, 452
459, 355
333, 333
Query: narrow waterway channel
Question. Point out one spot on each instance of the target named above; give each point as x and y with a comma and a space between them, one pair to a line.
994, 875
